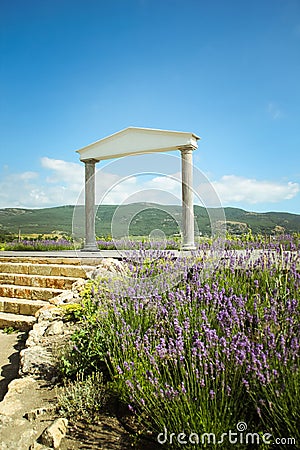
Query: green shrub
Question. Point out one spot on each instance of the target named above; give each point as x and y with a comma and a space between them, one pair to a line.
84, 397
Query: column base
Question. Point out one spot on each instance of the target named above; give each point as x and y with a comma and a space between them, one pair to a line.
188, 247
90, 248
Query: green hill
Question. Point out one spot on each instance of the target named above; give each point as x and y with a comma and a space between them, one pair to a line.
140, 219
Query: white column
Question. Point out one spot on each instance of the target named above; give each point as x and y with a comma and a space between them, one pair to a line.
90, 244
187, 198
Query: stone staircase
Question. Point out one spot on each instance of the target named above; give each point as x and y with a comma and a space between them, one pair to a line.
28, 283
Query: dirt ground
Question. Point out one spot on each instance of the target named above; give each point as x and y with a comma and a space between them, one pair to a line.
107, 434
112, 430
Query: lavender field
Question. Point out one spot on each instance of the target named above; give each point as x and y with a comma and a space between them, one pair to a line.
38, 245
208, 359
243, 241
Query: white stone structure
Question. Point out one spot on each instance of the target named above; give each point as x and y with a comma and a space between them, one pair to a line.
136, 141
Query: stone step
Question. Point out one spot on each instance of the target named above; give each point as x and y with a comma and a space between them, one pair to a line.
56, 282
44, 259
28, 268
28, 281
28, 292
21, 306
16, 321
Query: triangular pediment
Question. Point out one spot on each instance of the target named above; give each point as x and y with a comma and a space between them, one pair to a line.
134, 141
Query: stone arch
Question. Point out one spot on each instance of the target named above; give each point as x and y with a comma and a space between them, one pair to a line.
137, 141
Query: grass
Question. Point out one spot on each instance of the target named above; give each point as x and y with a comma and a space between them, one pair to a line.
10, 330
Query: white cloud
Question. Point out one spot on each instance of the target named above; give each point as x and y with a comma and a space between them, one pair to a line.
235, 189
139, 188
26, 176
63, 172
63, 183
16, 187
30, 190
113, 189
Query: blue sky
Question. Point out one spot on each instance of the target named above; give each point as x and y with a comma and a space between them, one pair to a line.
74, 71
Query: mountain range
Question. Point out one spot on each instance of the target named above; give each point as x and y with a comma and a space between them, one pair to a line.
140, 219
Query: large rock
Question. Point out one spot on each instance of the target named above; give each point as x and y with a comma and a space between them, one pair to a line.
36, 333
70, 295
66, 297
53, 435
13, 401
49, 313
20, 439
109, 267
56, 327
37, 446
37, 360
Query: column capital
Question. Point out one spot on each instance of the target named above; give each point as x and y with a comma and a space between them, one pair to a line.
187, 148
90, 161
